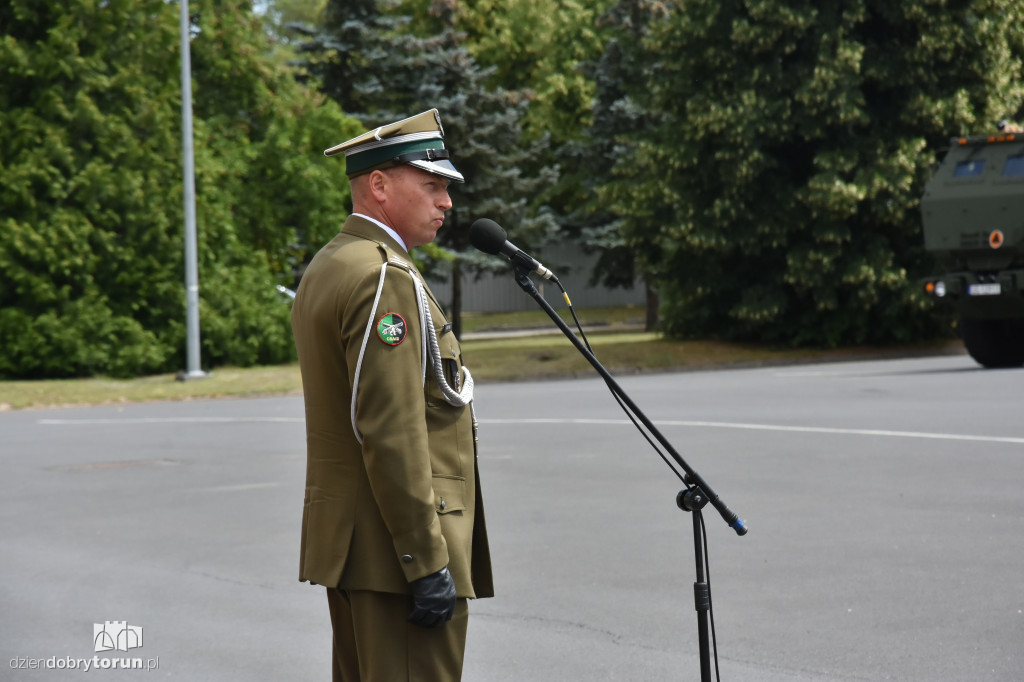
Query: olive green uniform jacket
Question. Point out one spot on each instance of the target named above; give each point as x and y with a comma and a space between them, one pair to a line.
400, 499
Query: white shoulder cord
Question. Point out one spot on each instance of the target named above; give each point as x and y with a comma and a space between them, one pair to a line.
362, 350
429, 343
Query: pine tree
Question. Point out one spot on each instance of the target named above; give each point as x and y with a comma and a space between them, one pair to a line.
345, 55
615, 112
483, 125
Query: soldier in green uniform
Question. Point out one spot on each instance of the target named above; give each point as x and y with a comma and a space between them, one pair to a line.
392, 521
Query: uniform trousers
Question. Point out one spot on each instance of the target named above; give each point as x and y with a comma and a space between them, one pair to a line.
373, 642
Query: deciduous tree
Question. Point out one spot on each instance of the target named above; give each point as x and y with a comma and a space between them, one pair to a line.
777, 198
91, 265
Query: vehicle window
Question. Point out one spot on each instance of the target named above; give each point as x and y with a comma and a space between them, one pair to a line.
1014, 166
969, 169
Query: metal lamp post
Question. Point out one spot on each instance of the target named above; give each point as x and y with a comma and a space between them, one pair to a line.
194, 370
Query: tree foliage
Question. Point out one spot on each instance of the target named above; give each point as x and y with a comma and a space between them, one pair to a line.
615, 115
759, 161
91, 266
485, 126
776, 198
539, 48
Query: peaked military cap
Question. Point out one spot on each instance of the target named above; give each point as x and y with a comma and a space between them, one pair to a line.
417, 141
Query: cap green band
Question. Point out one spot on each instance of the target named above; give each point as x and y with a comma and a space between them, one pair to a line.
357, 163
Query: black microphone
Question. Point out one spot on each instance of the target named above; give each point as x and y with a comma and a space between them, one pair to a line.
488, 236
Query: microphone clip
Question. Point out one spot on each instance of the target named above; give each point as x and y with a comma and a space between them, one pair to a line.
520, 259
691, 499
522, 275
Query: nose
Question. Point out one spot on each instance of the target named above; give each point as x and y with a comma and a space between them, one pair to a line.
445, 201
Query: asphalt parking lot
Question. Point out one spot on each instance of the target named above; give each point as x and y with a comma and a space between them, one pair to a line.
885, 501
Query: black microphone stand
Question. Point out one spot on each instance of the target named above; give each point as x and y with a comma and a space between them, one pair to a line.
692, 499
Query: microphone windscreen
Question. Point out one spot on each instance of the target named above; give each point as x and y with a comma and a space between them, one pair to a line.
487, 236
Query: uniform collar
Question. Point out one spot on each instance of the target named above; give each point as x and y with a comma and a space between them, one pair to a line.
391, 232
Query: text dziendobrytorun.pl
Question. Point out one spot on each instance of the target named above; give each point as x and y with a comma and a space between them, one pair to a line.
84, 664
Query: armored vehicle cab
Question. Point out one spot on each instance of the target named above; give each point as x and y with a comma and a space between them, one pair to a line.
973, 218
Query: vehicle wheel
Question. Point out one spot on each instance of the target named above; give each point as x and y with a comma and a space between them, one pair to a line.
994, 343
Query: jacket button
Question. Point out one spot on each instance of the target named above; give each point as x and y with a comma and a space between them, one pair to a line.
443, 504
407, 558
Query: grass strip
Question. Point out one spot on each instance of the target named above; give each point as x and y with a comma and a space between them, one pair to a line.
546, 356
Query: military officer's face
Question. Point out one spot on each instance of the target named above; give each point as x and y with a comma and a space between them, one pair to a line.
416, 204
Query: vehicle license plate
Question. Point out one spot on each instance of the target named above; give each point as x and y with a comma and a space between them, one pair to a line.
984, 289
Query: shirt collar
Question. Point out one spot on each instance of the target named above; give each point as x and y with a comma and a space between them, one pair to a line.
384, 227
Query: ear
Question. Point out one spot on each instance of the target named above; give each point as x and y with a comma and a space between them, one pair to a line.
378, 182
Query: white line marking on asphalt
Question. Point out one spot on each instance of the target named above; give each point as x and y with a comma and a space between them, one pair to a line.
773, 427
174, 420
587, 422
240, 486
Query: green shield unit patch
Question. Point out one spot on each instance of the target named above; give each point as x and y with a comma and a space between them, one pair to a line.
391, 328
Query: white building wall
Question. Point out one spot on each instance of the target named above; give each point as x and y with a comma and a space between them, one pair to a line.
499, 292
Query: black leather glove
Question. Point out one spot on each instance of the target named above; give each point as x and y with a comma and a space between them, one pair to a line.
433, 599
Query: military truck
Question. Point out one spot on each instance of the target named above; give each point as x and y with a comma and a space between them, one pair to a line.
973, 217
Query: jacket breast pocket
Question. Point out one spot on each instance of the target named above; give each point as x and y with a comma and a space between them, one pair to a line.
451, 367
449, 494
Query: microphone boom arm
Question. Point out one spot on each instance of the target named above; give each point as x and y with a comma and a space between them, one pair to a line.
526, 284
